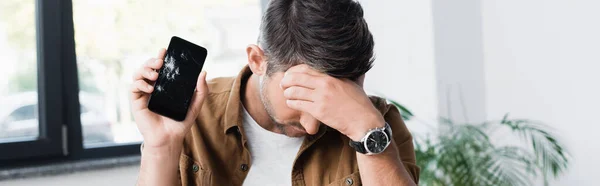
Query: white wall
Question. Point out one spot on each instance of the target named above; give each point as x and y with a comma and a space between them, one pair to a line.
459, 56
404, 69
541, 62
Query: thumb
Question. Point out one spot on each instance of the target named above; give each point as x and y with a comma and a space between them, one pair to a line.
199, 96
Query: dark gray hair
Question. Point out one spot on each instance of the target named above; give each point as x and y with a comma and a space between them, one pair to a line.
331, 36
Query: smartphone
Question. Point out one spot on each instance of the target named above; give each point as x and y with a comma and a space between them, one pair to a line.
174, 88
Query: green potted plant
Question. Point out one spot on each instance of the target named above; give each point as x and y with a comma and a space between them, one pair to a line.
463, 154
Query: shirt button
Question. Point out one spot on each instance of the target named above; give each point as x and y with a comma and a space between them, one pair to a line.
195, 168
349, 181
244, 167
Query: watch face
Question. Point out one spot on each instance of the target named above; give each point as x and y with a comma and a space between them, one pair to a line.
377, 142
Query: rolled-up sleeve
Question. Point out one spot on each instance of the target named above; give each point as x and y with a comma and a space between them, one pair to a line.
401, 135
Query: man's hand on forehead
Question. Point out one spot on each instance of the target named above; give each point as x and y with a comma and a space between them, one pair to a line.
303, 68
339, 103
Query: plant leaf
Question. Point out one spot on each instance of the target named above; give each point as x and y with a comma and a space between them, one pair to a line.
550, 156
404, 112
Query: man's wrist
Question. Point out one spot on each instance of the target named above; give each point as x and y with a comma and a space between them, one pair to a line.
358, 131
159, 165
163, 151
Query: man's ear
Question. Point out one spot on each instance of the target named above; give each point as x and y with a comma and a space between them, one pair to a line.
256, 60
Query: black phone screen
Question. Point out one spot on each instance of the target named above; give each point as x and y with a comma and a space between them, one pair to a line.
174, 88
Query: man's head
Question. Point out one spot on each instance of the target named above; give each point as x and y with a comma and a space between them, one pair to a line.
330, 36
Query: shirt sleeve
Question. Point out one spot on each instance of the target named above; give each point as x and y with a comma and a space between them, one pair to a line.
401, 135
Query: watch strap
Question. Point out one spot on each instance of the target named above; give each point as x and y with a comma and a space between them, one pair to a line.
359, 145
388, 130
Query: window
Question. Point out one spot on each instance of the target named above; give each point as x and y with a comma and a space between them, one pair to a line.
18, 82
22, 122
31, 109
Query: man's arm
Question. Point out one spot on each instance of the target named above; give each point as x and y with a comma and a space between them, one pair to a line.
159, 166
383, 169
163, 137
343, 105
400, 153
388, 167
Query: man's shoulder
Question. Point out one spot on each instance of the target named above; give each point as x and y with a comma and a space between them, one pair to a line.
211, 117
380, 104
219, 92
390, 113
220, 85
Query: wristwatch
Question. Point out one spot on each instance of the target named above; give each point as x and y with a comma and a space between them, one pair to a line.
375, 141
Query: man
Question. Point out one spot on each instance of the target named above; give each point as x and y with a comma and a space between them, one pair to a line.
296, 115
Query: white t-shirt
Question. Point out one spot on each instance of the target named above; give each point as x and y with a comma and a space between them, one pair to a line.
272, 155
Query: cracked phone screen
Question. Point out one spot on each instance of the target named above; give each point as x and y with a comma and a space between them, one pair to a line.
174, 88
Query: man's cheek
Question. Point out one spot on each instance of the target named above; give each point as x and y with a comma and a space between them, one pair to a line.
279, 104
278, 98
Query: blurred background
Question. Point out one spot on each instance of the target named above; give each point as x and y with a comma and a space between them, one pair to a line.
494, 92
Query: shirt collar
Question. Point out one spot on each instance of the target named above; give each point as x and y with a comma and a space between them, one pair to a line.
233, 115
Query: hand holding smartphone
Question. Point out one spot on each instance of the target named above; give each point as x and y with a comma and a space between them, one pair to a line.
176, 82
166, 96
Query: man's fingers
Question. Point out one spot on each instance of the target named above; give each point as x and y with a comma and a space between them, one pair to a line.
310, 124
300, 105
201, 85
141, 86
199, 96
304, 68
154, 63
299, 79
161, 53
145, 73
158, 61
298, 93
150, 74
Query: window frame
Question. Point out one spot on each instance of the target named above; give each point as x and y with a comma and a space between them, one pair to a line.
75, 143
59, 123
49, 143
